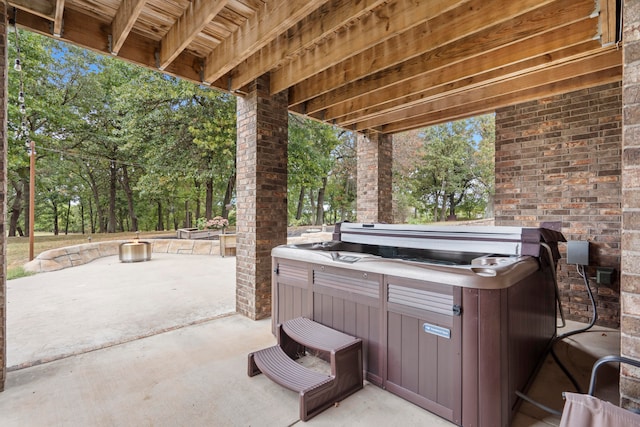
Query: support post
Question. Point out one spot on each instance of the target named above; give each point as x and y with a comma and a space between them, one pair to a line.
261, 194
32, 197
375, 158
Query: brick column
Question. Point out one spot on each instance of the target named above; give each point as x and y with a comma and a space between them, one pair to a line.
375, 158
3, 193
630, 277
261, 194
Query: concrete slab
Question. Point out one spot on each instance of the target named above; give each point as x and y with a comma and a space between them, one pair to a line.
71, 311
158, 343
191, 376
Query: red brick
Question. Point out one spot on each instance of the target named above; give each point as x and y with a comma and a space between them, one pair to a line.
261, 194
572, 175
374, 181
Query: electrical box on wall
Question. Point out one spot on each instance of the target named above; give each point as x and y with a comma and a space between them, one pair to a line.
578, 252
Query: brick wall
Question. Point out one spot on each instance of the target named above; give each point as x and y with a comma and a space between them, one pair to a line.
630, 280
374, 181
261, 194
559, 159
3, 192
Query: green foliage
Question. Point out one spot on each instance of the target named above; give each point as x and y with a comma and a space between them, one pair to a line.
17, 272
455, 173
121, 148
118, 147
315, 181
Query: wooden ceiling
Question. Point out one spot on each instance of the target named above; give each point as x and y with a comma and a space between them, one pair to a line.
366, 65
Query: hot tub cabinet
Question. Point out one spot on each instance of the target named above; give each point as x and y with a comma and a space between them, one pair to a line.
455, 332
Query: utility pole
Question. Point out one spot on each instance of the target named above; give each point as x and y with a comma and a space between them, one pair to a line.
32, 195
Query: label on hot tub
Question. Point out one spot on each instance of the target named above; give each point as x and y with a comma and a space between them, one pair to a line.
437, 330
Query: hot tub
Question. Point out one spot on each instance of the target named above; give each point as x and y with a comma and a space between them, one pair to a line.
453, 319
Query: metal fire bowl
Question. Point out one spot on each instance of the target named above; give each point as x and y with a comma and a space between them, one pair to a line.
135, 251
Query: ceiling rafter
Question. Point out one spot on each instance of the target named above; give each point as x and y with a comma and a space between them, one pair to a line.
126, 16
57, 18
487, 60
455, 111
373, 117
369, 65
91, 33
610, 58
320, 24
198, 14
439, 22
271, 20
335, 85
42, 8
441, 90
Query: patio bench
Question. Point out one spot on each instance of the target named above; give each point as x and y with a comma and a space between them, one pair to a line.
318, 391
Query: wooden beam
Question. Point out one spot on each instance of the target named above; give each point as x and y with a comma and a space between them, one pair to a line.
455, 112
416, 52
320, 24
272, 19
89, 33
57, 19
42, 8
484, 64
122, 23
197, 15
439, 28
430, 94
608, 21
606, 59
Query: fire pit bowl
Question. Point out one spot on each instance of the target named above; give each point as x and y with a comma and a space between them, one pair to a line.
135, 251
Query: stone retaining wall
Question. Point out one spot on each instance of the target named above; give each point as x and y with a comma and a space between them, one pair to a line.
71, 256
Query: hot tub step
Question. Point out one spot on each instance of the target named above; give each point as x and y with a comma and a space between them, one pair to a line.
280, 368
317, 391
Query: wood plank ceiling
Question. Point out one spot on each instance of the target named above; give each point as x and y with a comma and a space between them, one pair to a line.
366, 65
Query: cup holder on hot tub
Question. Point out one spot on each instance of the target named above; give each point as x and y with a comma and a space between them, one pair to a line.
492, 260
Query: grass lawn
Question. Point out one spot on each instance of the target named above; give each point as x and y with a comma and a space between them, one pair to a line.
18, 247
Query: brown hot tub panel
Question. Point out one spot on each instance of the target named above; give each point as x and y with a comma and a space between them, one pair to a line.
456, 331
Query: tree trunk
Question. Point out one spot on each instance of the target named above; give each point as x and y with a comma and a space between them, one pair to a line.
16, 206
113, 180
82, 216
443, 209
96, 198
196, 185
129, 194
312, 200
208, 200
66, 222
92, 223
452, 206
320, 206
160, 225
300, 203
187, 221
56, 229
228, 194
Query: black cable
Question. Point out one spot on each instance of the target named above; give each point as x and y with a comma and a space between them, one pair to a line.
582, 272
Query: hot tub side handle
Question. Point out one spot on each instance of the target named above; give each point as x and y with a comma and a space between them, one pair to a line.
457, 310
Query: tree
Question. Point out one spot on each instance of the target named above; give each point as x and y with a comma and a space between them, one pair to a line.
311, 145
455, 167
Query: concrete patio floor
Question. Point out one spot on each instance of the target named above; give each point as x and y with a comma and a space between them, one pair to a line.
159, 344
